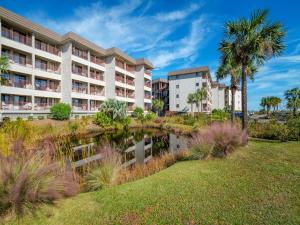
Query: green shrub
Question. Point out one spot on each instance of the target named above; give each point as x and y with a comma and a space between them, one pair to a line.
19, 118
150, 116
219, 115
271, 130
60, 111
6, 119
200, 151
41, 117
126, 121
49, 116
30, 118
189, 120
138, 113
294, 127
101, 119
76, 116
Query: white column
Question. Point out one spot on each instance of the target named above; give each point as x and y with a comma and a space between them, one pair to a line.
109, 77
139, 86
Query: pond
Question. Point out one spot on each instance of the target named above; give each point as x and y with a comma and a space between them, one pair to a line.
135, 146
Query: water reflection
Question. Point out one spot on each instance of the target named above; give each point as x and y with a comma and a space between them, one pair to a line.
137, 146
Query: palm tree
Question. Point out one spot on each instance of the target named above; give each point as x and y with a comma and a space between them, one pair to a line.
275, 101
293, 99
268, 102
200, 95
157, 105
229, 68
263, 103
3, 66
251, 40
191, 100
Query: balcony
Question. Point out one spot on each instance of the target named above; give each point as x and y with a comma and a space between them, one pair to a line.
130, 107
96, 75
147, 84
83, 90
80, 107
95, 105
46, 66
130, 82
148, 72
120, 93
79, 70
120, 79
10, 105
147, 96
130, 95
80, 53
130, 69
17, 58
96, 91
13, 81
46, 47
52, 88
17, 36
43, 106
97, 60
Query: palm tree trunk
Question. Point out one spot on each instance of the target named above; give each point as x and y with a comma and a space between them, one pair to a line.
244, 98
232, 104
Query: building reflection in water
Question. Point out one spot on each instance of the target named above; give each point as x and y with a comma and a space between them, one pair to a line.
136, 147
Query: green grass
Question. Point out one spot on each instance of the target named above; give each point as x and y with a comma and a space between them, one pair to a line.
258, 184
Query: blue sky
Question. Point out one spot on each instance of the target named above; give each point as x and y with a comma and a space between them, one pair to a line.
173, 34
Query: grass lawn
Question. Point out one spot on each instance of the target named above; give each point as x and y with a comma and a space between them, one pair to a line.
259, 184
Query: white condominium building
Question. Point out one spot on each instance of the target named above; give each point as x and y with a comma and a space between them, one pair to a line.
186, 81
46, 68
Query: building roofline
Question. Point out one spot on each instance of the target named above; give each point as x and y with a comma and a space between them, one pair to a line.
160, 80
23, 22
70, 36
77, 38
188, 71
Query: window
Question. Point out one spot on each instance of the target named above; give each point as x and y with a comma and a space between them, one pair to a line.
177, 105
177, 96
177, 86
197, 84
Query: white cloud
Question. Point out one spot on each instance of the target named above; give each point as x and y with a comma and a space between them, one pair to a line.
129, 27
177, 15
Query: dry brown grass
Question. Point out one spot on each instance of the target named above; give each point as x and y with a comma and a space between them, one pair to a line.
153, 166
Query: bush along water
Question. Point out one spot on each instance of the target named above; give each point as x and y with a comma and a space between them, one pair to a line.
218, 140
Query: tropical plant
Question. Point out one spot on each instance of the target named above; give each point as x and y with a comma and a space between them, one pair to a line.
293, 99
200, 95
230, 68
191, 100
60, 111
253, 40
150, 116
4, 64
138, 113
157, 105
114, 109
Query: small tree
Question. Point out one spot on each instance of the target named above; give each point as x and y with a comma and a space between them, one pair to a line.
138, 113
60, 111
191, 100
3, 66
293, 99
200, 95
157, 105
